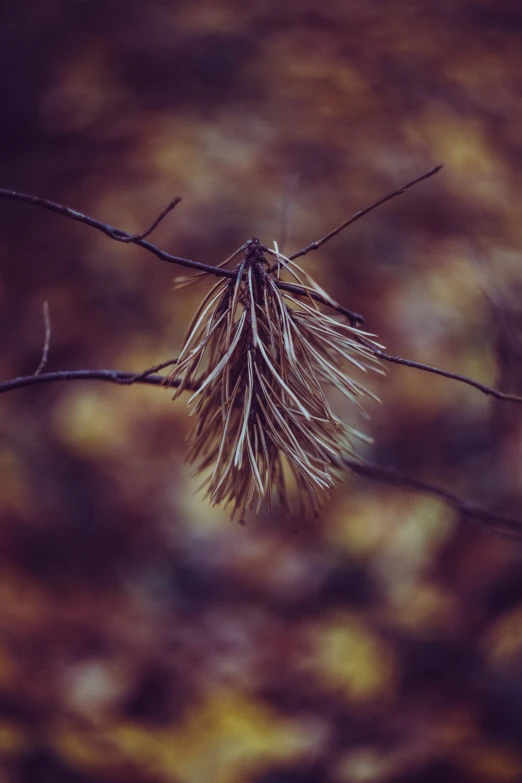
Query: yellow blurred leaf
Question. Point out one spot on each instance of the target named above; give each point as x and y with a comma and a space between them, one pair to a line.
349, 657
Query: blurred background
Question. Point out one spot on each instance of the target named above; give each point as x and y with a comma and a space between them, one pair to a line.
143, 636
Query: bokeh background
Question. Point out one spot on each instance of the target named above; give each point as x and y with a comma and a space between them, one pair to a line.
143, 636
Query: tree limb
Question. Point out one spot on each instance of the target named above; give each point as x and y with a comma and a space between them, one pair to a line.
112, 376
362, 212
139, 239
115, 233
490, 520
451, 375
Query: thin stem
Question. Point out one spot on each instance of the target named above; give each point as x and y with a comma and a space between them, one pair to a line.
129, 378
399, 191
155, 369
114, 233
112, 376
139, 239
122, 236
133, 237
446, 374
500, 523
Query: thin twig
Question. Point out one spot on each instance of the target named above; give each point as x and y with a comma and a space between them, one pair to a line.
509, 526
148, 376
446, 374
155, 224
112, 376
501, 523
120, 236
47, 338
362, 212
154, 370
138, 239
129, 378
113, 233
185, 280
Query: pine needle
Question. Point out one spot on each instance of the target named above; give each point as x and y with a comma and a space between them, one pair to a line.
261, 362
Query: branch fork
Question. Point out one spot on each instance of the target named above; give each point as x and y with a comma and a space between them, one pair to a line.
245, 387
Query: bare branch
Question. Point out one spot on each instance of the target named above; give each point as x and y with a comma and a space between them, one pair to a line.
121, 236
47, 339
355, 318
114, 233
129, 378
490, 520
316, 245
133, 237
139, 239
446, 374
112, 376
152, 370
186, 280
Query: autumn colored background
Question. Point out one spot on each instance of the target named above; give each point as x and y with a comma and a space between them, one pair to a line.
143, 636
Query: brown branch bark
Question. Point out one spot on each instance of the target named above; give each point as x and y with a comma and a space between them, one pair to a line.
116, 233
362, 212
138, 239
451, 375
111, 376
490, 520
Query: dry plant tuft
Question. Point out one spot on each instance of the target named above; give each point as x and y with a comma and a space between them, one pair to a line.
260, 361
260, 434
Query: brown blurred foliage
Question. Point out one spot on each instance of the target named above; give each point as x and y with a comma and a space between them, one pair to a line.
143, 637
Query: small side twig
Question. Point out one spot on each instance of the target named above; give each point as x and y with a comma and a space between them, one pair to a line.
446, 374
362, 212
123, 237
153, 370
114, 233
219, 271
499, 523
47, 338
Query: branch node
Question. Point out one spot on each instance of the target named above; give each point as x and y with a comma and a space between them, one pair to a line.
122, 236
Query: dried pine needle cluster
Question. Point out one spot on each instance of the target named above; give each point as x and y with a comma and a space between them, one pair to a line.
258, 361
